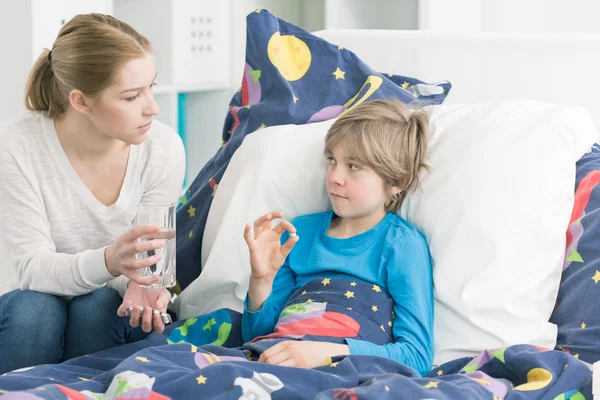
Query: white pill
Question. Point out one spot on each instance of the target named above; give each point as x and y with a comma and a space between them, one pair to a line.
292, 234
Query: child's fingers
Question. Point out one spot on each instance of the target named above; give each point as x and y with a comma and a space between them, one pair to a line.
283, 226
248, 235
264, 223
289, 245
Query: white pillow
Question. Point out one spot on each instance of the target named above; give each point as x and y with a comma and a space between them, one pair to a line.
494, 210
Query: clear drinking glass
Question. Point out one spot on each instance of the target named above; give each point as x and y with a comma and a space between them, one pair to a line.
163, 215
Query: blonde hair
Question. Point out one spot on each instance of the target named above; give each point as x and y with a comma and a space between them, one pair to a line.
387, 136
86, 55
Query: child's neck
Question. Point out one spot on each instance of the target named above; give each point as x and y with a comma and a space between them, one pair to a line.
347, 227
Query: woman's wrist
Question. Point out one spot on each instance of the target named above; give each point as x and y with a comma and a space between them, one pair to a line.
108, 251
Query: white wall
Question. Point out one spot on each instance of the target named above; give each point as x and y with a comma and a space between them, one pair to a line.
509, 15
540, 16
15, 39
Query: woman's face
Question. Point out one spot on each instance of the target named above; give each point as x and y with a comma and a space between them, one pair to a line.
125, 110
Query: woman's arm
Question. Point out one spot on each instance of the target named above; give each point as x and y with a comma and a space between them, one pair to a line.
26, 234
410, 284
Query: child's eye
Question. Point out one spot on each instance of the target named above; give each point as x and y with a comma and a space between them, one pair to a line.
134, 97
353, 167
331, 160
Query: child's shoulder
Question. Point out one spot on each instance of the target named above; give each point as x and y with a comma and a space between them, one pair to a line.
315, 219
399, 227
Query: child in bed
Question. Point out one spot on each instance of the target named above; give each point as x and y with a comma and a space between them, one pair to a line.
358, 279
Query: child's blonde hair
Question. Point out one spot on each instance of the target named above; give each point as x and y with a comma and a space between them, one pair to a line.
86, 55
387, 136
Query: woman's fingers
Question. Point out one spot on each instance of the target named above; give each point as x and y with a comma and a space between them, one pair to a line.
140, 247
157, 322
147, 320
140, 230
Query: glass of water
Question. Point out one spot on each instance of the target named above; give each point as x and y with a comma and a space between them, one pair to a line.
163, 215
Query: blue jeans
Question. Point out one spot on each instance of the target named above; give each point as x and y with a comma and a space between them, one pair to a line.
39, 328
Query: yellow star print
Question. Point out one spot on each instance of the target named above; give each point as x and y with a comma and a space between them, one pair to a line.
376, 288
201, 380
304, 292
390, 324
339, 74
374, 308
192, 211
405, 85
262, 126
215, 190
349, 294
334, 365
83, 379
596, 277
440, 373
583, 325
349, 308
353, 284
387, 388
191, 234
340, 47
382, 328
431, 384
142, 359
576, 356
295, 99
326, 281
257, 11
309, 301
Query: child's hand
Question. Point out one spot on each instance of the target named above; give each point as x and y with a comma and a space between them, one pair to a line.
266, 253
302, 354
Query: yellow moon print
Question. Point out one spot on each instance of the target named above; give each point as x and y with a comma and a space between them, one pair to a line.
537, 378
290, 55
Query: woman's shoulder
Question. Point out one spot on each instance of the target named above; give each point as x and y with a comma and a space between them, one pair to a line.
162, 143
21, 132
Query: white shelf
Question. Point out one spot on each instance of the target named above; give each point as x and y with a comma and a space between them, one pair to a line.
190, 88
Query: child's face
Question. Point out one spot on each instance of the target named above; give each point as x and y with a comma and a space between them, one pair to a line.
355, 191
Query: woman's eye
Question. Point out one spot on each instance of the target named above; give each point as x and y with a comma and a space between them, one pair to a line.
353, 167
133, 98
331, 160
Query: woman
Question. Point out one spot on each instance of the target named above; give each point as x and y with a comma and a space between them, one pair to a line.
74, 169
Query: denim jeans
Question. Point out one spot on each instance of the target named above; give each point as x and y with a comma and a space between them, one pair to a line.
39, 328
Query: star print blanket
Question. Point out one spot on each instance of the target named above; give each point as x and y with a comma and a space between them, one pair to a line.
204, 358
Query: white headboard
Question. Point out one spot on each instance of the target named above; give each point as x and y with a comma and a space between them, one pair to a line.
556, 68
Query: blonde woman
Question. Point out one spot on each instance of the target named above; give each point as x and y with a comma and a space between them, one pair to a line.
74, 169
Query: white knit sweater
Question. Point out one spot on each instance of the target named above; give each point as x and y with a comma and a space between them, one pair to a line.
53, 231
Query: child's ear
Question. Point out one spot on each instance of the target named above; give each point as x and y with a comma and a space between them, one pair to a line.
394, 190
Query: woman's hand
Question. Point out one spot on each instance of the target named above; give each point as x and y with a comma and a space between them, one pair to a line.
149, 299
120, 257
302, 354
266, 253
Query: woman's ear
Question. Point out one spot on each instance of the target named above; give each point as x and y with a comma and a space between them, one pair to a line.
80, 102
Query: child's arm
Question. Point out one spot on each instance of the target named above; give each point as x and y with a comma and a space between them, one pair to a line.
269, 249
262, 321
410, 285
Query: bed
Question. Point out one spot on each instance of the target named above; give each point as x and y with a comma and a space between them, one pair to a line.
483, 69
